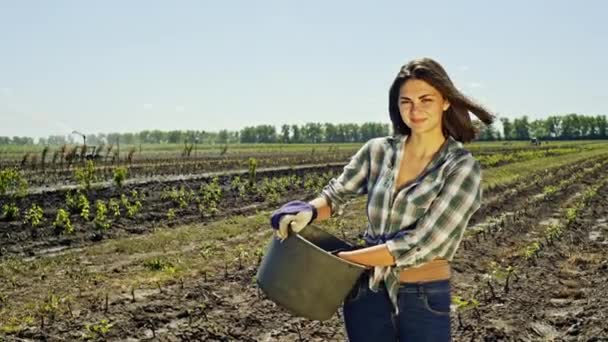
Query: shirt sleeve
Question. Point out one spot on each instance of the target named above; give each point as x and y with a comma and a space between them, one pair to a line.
352, 181
439, 231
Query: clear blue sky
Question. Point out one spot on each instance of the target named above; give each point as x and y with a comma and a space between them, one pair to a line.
118, 66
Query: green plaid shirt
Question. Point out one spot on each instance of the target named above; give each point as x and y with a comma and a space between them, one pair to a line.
433, 209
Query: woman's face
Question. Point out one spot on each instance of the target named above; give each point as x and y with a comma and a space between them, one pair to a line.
421, 106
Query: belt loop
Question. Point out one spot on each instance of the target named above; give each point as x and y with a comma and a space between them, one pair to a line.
419, 289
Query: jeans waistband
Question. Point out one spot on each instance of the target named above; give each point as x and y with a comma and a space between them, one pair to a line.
419, 288
426, 287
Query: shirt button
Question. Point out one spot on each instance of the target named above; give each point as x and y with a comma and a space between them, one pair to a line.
418, 249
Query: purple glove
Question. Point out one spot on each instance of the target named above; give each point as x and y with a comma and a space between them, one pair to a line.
297, 213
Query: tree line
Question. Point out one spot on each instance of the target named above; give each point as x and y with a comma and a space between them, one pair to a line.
563, 127
306, 133
314, 133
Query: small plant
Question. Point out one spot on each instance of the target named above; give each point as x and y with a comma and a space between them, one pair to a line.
62, 222
571, 214
259, 253
171, 214
206, 251
34, 216
239, 186
130, 155
101, 216
11, 181
273, 197
553, 231
43, 155
85, 211
114, 207
314, 183
97, 331
253, 164
179, 197
85, 176
50, 306
120, 175
10, 211
549, 189
464, 305
78, 203
159, 264
211, 194
241, 254
15, 324
531, 250
71, 202
55, 157
500, 274
134, 206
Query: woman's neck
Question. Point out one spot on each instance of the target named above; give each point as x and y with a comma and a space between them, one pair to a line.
425, 145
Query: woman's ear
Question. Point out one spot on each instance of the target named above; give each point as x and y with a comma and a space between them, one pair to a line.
446, 105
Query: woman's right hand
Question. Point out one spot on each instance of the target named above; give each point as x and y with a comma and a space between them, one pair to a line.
297, 213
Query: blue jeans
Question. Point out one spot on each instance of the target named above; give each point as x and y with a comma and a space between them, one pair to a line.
424, 313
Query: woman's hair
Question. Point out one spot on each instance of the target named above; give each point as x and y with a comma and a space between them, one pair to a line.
456, 121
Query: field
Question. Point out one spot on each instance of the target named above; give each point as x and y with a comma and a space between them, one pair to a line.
169, 250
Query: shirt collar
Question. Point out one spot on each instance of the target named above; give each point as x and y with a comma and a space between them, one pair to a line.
447, 149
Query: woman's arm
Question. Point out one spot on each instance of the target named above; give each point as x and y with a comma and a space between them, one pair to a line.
371, 256
323, 208
352, 180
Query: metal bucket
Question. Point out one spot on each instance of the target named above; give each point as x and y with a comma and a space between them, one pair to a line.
302, 275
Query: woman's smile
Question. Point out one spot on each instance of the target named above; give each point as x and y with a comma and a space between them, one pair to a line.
417, 120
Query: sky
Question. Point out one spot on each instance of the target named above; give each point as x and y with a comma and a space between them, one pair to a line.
126, 66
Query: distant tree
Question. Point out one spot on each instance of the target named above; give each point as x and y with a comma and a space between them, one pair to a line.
22, 140
570, 127
553, 126
285, 134
158, 137
174, 137
507, 129
127, 138
486, 132
352, 132
248, 135
538, 129
312, 132
601, 125
370, 130
521, 128
222, 137
296, 137
331, 133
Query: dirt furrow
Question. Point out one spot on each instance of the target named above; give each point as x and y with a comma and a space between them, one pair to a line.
555, 296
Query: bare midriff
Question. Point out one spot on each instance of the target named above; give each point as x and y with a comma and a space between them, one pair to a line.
437, 269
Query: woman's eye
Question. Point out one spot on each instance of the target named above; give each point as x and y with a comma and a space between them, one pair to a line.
427, 100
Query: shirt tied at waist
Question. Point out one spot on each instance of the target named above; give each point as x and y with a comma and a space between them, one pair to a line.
436, 269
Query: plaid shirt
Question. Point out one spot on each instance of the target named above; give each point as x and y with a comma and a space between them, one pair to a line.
424, 218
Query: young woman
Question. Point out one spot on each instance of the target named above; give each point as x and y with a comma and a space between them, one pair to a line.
422, 187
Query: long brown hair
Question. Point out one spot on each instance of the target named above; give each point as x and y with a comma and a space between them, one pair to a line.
456, 121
